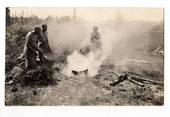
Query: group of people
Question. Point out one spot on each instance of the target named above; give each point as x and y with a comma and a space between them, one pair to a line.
36, 47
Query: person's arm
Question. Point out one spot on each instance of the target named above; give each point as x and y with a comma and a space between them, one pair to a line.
47, 43
32, 45
48, 46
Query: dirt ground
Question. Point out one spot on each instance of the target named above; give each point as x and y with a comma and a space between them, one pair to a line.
89, 91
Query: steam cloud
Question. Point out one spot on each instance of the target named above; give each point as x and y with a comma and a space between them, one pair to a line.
119, 41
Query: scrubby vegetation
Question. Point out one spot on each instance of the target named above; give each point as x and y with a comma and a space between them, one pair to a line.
48, 86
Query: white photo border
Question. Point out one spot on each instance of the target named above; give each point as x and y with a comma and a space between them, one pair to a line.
79, 111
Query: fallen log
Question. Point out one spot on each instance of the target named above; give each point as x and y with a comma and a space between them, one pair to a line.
78, 72
137, 61
148, 81
122, 77
135, 80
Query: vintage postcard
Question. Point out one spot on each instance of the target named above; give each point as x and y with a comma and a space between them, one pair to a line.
84, 56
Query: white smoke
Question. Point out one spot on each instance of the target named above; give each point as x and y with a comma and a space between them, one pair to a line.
94, 59
79, 62
119, 41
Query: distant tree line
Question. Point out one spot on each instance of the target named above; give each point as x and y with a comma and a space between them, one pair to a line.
24, 20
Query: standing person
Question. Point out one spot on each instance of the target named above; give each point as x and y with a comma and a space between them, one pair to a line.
95, 39
44, 44
32, 48
95, 42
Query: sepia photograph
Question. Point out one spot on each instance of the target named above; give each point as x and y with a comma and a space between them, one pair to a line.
84, 56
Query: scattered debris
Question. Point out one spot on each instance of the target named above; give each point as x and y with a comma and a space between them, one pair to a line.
34, 92
17, 71
14, 89
39, 76
159, 51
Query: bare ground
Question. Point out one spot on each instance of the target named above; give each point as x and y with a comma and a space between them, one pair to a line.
89, 91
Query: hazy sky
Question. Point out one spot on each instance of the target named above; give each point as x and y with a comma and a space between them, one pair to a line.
93, 14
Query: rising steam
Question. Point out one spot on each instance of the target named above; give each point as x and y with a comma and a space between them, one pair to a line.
128, 39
